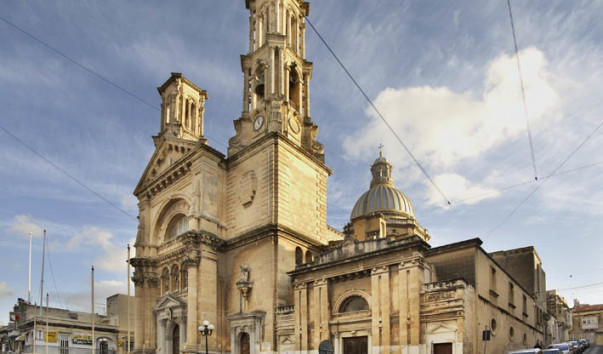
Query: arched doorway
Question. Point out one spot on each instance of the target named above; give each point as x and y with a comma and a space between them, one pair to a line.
176, 340
245, 343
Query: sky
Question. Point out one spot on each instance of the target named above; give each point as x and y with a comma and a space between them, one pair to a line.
79, 105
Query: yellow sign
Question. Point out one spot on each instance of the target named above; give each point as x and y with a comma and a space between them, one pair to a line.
82, 339
51, 336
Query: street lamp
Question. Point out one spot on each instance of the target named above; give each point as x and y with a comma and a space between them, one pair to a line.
206, 329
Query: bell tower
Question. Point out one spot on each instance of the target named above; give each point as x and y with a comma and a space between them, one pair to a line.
276, 77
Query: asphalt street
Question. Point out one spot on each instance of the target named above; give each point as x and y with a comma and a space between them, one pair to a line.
594, 350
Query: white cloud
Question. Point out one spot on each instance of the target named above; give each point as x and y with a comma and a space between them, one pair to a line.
5, 291
112, 258
24, 224
460, 190
445, 129
102, 289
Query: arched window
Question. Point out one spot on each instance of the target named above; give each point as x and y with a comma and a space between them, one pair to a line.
178, 225
309, 257
165, 281
175, 275
299, 256
354, 303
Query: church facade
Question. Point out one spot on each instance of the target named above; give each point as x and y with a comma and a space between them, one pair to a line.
242, 241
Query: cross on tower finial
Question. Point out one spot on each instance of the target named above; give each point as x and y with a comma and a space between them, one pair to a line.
380, 150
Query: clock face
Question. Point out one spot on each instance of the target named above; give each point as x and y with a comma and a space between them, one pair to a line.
258, 122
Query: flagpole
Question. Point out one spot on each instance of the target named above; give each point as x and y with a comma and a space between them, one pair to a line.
46, 334
35, 334
29, 273
93, 341
128, 280
42, 278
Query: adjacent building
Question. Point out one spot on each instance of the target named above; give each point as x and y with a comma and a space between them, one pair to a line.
560, 311
241, 240
53, 330
587, 322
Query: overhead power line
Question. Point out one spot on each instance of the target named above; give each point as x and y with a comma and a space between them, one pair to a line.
78, 64
67, 173
523, 93
96, 74
378, 112
546, 180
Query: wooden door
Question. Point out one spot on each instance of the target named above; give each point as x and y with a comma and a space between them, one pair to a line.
176, 340
355, 345
442, 348
245, 343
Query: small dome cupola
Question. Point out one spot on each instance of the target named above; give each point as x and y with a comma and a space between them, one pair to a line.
383, 196
382, 172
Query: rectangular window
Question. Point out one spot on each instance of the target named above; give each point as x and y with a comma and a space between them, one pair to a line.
492, 279
524, 305
511, 295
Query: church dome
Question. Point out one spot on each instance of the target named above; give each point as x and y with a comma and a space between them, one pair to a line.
382, 196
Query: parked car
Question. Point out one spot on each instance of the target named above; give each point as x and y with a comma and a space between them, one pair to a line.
566, 348
584, 342
552, 351
579, 348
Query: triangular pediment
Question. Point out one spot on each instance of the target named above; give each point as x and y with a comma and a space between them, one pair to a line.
168, 152
434, 328
169, 302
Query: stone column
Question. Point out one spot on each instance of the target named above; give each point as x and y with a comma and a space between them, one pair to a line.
153, 293
320, 311
301, 317
380, 309
161, 335
306, 95
411, 279
272, 70
286, 88
207, 300
302, 27
191, 311
139, 309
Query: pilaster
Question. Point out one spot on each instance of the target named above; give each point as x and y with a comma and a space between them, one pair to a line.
301, 316
380, 309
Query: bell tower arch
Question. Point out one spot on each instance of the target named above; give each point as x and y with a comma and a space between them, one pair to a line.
276, 77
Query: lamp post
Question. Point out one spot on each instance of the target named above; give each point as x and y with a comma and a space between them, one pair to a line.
206, 330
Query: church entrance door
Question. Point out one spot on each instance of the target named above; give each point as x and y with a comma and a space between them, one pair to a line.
176, 340
355, 345
245, 343
442, 348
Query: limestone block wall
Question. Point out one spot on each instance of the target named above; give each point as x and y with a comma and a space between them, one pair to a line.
302, 193
250, 189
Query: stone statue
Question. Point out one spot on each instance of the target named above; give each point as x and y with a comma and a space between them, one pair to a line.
244, 272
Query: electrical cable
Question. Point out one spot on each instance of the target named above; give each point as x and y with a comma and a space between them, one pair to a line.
56, 288
378, 112
90, 70
66, 173
546, 180
511, 186
523, 93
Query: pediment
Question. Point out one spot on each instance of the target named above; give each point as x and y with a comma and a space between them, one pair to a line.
440, 327
167, 155
169, 302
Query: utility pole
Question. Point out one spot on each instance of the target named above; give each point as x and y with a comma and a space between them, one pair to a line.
92, 315
128, 280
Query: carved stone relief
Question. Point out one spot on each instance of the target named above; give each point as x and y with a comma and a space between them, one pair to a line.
248, 188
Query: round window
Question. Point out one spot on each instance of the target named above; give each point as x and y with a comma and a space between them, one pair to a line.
511, 332
493, 325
